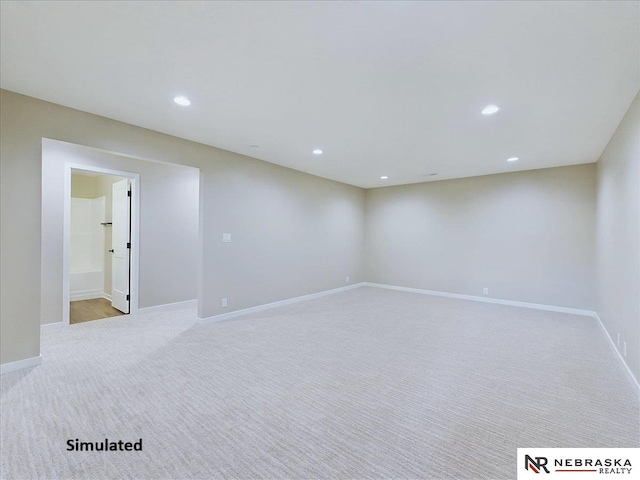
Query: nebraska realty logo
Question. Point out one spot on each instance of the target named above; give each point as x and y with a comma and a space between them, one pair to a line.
586, 462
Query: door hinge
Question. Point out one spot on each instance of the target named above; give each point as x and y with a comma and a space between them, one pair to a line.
127, 298
128, 245
128, 193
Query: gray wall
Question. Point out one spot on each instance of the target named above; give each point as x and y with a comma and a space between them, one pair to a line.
618, 236
169, 251
309, 230
527, 236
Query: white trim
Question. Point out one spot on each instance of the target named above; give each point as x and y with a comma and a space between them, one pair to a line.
135, 218
106, 296
167, 307
537, 306
85, 295
630, 375
289, 301
135, 234
52, 326
20, 364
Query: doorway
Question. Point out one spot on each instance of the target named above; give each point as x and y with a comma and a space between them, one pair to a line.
168, 193
100, 244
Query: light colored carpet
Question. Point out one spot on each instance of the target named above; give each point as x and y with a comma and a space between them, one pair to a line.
368, 383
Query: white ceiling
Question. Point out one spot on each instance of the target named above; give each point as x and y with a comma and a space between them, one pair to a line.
384, 88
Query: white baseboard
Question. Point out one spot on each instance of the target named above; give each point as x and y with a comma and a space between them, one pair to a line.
20, 364
85, 295
106, 296
52, 326
289, 301
169, 306
537, 306
630, 375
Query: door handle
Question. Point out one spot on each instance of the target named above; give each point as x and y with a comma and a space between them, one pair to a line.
111, 251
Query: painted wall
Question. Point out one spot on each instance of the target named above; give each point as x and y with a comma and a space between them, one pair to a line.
526, 236
293, 233
169, 201
618, 236
83, 186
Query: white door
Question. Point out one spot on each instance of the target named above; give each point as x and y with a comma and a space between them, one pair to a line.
121, 253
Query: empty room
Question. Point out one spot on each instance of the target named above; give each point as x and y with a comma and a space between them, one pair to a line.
318, 240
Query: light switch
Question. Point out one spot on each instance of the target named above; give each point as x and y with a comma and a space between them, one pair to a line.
226, 237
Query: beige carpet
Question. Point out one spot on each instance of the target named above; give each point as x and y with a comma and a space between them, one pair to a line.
368, 383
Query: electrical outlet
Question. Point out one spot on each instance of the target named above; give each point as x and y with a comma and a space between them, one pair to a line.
485, 291
224, 302
226, 237
624, 348
347, 279
618, 340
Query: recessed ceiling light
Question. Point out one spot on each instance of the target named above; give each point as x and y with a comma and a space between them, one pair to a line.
432, 174
180, 100
254, 147
317, 151
490, 109
513, 159
384, 177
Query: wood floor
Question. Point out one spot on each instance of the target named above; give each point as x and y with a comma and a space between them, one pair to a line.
94, 309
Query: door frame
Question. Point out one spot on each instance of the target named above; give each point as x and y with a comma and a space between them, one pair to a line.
134, 259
